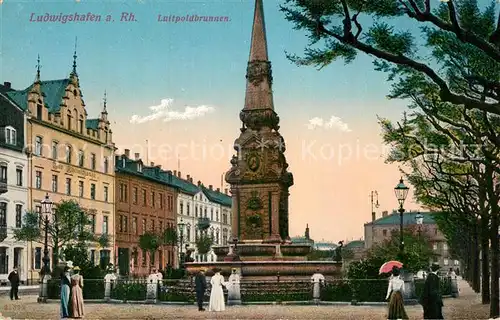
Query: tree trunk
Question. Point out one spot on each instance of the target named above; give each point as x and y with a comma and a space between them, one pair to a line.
485, 263
476, 282
495, 272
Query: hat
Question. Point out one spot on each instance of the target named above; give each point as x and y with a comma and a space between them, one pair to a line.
435, 267
77, 268
216, 270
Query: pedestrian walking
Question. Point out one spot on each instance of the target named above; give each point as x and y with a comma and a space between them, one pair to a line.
217, 293
65, 293
200, 283
395, 293
431, 299
14, 284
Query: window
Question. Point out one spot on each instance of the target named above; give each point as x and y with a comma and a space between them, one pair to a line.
143, 257
123, 192
196, 211
384, 233
139, 167
80, 189
105, 220
19, 215
54, 183
135, 256
92, 191
10, 136
161, 200
104, 260
143, 226
144, 200
435, 246
38, 179
106, 165
92, 256
212, 214
80, 123
69, 152
69, 121
125, 224
153, 199
205, 209
92, 221
3, 172
38, 258
80, 158
446, 262
134, 225
181, 208
187, 209
217, 215
4, 261
68, 186
188, 233
445, 247
135, 195
120, 223
55, 147
92, 161
456, 262
39, 111
161, 226
19, 177
153, 225
3, 214
38, 146
106, 194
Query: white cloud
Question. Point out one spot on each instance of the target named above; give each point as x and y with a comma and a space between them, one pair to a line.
164, 112
333, 123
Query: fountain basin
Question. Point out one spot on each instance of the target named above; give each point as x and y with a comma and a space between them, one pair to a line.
264, 251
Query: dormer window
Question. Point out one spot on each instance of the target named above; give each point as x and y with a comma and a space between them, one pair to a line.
75, 93
10, 136
139, 167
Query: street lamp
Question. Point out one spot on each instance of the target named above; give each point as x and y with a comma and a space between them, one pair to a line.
181, 226
401, 191
47, 209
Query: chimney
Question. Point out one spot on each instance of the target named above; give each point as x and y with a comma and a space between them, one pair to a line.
225, 191
188, 177
127, 153
211, 187
175, 173
384, 214
179, 173
137, 156
152, 164
373, 216
159, 166
218, 189
191, 179
199, 183
7, 85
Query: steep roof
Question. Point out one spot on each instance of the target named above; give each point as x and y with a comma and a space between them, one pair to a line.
92, 123
52, 90
217, 197
150, 173
408, 218
185, 186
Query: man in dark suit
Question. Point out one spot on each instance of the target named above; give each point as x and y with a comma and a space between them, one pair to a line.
431, 299
14, 284
200, 283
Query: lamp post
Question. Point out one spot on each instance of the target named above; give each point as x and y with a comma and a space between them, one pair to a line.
47, 209
401, 191
181, 226
419, 218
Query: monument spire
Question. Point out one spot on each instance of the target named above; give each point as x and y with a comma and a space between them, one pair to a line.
73, 72
38, 69
258, 111
258, 46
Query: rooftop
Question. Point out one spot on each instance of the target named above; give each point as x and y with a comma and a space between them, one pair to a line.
408, 218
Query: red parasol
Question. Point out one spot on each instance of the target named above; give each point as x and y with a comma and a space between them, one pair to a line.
387, 267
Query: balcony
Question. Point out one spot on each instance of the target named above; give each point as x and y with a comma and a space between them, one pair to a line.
203, 223
3, 186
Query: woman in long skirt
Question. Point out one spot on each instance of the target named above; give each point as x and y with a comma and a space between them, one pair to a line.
65, 293
216, 293
76, 294
395, 293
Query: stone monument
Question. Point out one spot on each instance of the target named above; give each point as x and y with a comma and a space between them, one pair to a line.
260, 184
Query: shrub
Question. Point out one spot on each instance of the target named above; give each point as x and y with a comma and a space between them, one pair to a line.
339, 290
93, 288
369, 290
276, 296
129, 291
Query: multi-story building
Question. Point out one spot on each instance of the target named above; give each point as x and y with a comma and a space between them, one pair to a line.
201, 208
13, 186
145, 201
70, 156
381, 229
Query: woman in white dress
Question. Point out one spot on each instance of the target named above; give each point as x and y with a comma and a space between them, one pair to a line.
217, 294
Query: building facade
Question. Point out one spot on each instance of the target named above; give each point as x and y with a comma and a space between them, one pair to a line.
381, 229
145, 201
70, 157
14, 189
200, 208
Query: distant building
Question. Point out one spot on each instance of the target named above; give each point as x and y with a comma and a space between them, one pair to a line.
325, 246
306, 239
357, 248
381, 229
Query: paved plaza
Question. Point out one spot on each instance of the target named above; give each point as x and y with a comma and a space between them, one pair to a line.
468, 306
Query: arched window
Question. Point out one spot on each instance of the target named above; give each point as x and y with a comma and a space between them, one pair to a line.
10, 136
69, 152
81, 158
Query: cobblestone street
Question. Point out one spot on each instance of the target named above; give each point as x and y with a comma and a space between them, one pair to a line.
467, 306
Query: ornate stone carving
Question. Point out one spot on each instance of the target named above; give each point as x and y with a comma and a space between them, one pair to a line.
255, 203
257, 71
255, 119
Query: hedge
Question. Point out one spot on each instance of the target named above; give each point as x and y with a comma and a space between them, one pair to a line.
366, 290
445, 286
